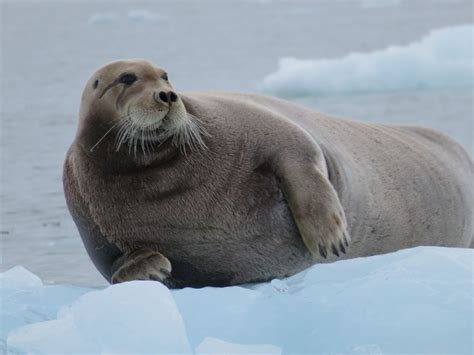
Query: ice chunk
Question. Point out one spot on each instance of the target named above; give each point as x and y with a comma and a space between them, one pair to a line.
142, 15
103, 18
212, 346
31, 305
412, 301
19, 278
442, 59
137, 316
208, 311
372, 304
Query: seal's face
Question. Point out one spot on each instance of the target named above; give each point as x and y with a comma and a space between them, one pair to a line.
136, 100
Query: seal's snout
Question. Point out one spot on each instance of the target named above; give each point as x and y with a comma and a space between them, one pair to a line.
168, 97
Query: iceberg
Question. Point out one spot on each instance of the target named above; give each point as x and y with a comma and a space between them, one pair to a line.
443, 59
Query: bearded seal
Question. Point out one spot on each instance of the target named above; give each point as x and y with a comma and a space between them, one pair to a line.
214, 189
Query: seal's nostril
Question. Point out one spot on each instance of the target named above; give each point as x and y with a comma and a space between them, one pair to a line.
155, 97
173, 96
163, 96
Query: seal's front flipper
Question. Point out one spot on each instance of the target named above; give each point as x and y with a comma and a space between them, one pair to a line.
143, 264
314, 203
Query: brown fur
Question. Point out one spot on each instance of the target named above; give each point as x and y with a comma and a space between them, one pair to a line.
269, 195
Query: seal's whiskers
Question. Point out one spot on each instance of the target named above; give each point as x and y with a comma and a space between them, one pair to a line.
102, 138
186, 131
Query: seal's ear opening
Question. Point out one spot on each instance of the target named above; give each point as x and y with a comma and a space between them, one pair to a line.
96, 84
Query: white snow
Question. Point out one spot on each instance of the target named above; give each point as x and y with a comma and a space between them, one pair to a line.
417, 300
441, 60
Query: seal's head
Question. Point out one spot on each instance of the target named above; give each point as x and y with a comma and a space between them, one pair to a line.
132, 103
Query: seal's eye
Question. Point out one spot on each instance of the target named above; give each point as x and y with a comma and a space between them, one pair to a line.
96, 83
165, 76
128, 79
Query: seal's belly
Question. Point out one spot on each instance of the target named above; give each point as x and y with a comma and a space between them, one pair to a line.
249, 236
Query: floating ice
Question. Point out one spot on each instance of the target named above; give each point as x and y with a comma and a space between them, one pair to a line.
19, 278
417, 300
442, 59
135, 16
24, 300
137, 317
103, 18
142, 15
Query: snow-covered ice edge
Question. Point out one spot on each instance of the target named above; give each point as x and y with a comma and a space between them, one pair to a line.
416, 300
441, 60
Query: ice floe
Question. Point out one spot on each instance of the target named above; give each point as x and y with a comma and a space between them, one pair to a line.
442, 59
416, 300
